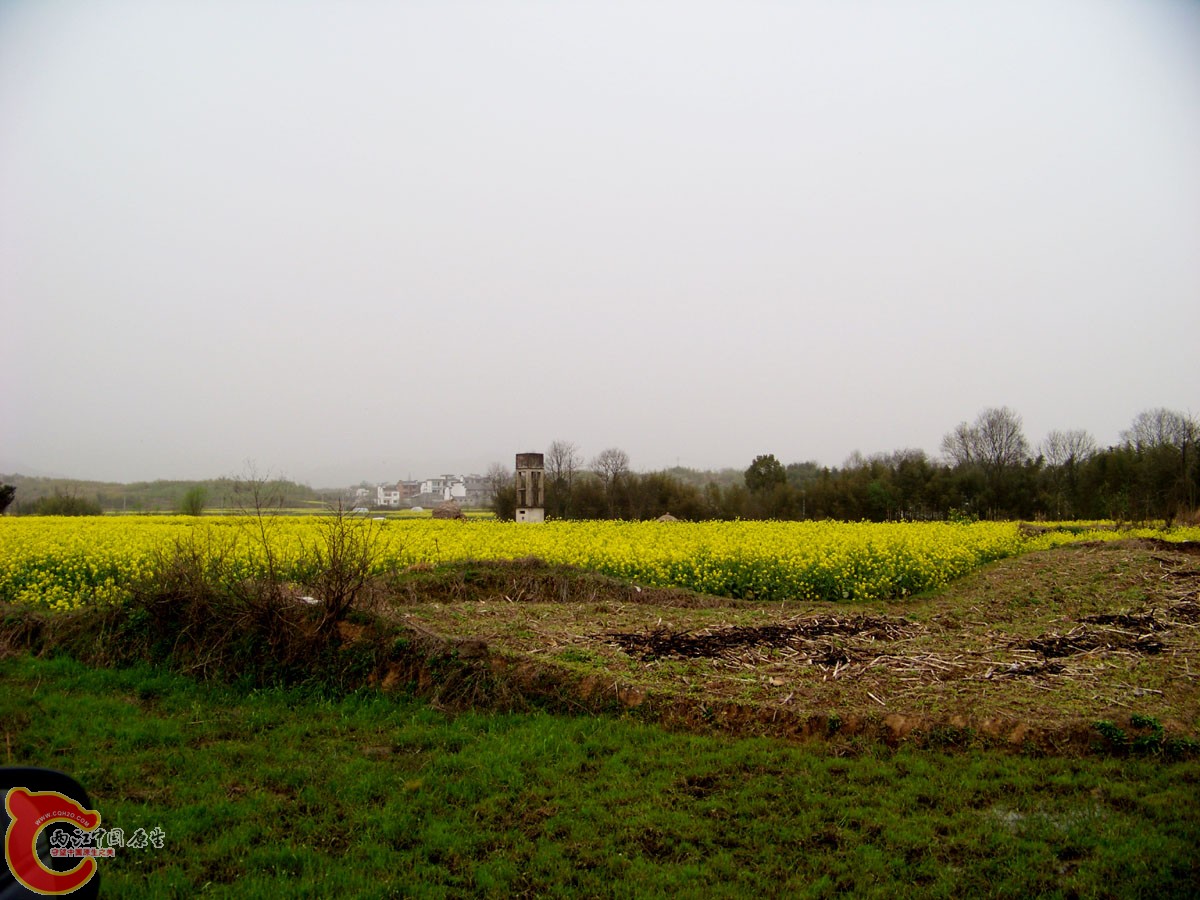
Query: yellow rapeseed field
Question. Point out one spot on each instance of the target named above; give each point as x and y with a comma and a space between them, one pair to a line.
59, 563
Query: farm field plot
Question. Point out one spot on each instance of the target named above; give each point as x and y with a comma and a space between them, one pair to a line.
61, 563
960, 629
1036, 648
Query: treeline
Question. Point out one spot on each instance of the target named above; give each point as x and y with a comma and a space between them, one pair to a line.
62, 496
988, 470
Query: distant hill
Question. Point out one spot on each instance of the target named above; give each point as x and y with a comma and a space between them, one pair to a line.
28, 471
161, 495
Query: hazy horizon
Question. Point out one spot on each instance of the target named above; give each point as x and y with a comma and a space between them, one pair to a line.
251, 469
362, 242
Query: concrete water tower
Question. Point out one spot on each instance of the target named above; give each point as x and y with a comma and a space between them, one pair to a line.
531, 487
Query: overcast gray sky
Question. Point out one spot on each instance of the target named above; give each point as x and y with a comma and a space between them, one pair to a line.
367, 240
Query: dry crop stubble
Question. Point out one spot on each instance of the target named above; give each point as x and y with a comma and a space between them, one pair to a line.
1038, 646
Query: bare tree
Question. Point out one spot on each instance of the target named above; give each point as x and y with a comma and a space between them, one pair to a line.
958, 447
497, 477
563, 460
995, 441
502, 491
1000, 439
1064, 452
996, 444
1167, 441
1063, 448
1161, 428
259, 500
611, 465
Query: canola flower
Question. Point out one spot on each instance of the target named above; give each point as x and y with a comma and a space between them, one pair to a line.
61, 563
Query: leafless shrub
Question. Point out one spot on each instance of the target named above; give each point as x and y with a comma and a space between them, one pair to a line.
218, 605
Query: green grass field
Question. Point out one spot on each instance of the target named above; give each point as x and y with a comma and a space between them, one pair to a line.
283, 793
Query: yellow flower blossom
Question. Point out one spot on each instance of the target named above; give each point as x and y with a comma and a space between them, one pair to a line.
61, 563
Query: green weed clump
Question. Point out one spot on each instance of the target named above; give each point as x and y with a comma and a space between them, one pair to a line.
1146, 737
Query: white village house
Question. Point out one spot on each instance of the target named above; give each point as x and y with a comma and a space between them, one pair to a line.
468, 490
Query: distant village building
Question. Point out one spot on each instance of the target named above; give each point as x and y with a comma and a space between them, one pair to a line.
435, 487
478, 491
466, 490
387, 495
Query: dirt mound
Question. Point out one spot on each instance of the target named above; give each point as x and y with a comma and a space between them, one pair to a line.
1191, 548
530, 580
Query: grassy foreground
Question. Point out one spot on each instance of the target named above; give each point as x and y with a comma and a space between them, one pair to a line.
281, 793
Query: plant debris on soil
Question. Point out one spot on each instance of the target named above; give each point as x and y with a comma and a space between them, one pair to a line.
1037, 647
795, 636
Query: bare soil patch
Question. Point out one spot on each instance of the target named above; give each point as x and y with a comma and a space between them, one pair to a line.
1031, 649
